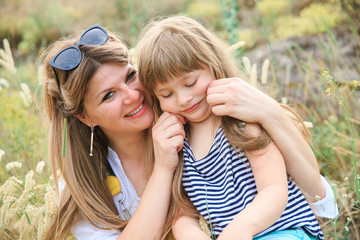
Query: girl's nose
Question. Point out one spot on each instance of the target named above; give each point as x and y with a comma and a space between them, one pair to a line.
183, 98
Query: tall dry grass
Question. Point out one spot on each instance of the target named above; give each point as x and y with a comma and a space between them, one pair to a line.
327, 98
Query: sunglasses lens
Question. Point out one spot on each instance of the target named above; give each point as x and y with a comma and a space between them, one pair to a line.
68, 59
94, 36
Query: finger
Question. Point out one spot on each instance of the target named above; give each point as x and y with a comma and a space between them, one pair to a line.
219, 88
220, 110
215, 99
164, 121
221, 81
178, 142
181, 118
173, 130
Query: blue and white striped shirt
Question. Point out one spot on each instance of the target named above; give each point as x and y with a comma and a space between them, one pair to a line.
222, 184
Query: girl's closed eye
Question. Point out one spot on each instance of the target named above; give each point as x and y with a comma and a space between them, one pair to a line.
191, 83
167, 95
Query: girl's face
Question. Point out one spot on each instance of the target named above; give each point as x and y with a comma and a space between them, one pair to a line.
116, 102
187, 95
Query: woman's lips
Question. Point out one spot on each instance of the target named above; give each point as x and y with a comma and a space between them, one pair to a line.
138, 111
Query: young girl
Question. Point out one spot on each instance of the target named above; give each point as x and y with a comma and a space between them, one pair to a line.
232, 174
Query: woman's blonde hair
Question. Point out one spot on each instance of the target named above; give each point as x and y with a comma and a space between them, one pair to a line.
86, 194
172, 47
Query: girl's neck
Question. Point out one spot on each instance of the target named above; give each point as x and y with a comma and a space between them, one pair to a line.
202, 135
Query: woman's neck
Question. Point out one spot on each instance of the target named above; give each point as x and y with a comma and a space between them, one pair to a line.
130, 147
131, 152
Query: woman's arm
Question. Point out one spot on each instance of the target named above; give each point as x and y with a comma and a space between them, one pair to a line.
186, 228
238, 99
150, 215
270, 176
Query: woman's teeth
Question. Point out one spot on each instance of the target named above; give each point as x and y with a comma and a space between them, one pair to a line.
135, 111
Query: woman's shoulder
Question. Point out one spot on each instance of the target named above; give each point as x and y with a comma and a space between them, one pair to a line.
84, 230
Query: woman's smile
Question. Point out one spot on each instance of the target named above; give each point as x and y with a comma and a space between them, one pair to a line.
137, 112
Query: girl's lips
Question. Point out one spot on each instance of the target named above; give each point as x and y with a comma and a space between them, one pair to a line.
192, 108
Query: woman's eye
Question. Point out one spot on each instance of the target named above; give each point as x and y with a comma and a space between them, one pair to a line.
131, 76
108, 96
191, 84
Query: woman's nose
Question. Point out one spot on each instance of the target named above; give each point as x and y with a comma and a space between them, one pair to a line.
130, 95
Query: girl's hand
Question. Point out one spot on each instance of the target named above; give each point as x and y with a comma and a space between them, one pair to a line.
168, 137
236, 98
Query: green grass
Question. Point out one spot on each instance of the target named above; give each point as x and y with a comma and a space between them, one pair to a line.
335, 132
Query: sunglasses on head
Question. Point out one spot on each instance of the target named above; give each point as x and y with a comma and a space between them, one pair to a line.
69, 58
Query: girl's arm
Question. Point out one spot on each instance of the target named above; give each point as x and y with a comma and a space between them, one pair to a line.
150, 215
269, 171
236, 98
187, 227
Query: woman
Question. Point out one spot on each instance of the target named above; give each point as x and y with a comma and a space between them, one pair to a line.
93, 92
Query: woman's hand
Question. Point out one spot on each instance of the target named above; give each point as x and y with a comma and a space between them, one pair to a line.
168, 137
236, 98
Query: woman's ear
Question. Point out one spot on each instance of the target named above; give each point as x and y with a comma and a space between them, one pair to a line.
83, 118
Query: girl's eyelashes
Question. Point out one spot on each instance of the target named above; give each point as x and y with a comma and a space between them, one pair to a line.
191, 84
167, 95
171, 93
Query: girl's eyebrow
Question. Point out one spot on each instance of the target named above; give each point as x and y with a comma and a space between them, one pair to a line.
183, 78
160, 90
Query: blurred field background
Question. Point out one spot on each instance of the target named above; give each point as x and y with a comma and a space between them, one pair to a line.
303, 53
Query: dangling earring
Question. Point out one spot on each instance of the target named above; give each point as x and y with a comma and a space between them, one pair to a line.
91, 140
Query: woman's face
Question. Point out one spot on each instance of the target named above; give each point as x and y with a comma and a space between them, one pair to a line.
116, 102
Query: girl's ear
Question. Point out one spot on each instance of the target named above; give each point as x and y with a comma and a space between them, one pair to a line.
83, 118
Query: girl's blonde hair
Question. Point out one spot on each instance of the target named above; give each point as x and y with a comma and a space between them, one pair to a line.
86, 194
172, 47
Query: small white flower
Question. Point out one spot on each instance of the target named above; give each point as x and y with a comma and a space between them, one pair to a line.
236, 46
345, 196
264, 72
25, 94
308, 124
253, 75
348, 219
2, 153
317, 198
346, 228
40, 166
247, 65
346, 179
4, 83
12, 165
